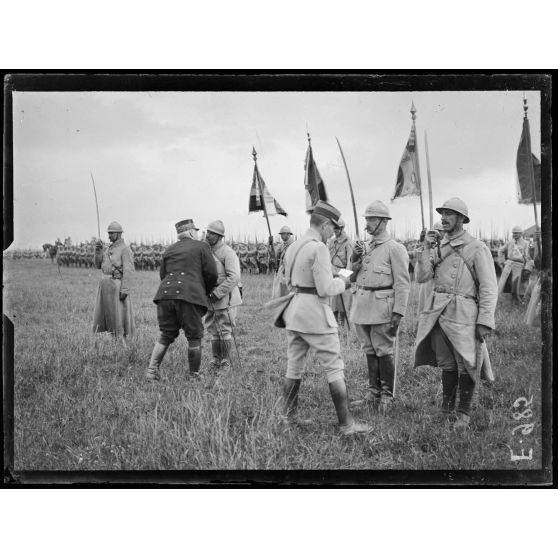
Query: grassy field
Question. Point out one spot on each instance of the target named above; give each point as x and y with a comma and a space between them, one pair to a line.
81, 401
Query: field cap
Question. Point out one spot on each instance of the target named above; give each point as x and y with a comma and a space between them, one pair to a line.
285, 230
327, 210
115, 227
216, 227
185, 225
457, 205
377, 209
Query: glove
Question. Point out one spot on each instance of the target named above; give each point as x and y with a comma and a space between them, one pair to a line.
394, 325
123, 296
481, 331
358, 250
270, 240
422, 235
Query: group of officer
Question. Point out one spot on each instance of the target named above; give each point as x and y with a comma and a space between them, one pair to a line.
458, 300
328, 280
198, 279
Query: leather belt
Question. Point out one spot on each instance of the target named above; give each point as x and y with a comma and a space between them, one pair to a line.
445, 290
306, 290
364, 288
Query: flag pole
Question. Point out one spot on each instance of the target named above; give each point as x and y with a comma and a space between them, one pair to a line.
350, 188
271, 248
531, 172
431, 214
413, 115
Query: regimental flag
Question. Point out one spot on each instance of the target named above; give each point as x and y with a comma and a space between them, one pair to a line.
408, 173
524, 184
259, 194
313, 183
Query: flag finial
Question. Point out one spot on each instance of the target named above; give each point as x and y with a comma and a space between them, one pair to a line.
254, 154
413, 110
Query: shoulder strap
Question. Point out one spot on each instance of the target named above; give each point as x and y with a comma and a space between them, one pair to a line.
473, 274
307, 241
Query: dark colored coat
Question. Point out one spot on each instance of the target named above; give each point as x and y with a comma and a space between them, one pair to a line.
188, 272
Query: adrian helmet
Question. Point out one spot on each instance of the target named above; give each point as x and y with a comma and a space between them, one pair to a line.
377, 209
457, 205
115, 227
216, 227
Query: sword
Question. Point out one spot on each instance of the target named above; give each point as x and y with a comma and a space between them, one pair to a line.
395, 360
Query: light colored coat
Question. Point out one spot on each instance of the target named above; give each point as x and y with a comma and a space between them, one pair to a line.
385, 263
514, 251
456, 310
309, 313
118, 262
340, 250
228, 269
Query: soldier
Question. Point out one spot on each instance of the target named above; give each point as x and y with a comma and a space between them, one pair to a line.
513, 258
224, 298
279, 281
188, 274
460, 310
309, 320
340, 251
113, 308
381, 274
426, 288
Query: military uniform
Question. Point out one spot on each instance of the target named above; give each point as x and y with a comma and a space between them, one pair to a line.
309, 320
340, 250
280, 281
224, 300
188, 273
112, 314
446, 335
382, 289
514, 254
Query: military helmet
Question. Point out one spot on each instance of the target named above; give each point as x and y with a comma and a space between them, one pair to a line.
285, 230
457, 205
517, 229
377, 209
216, 227
115, 227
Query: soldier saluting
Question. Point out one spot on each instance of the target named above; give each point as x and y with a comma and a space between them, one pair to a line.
460, 310
113, 308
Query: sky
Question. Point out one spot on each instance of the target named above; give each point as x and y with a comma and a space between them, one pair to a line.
161, 157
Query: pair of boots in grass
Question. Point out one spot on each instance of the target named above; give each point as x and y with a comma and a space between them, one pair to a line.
452, 382
221, 357
381, 378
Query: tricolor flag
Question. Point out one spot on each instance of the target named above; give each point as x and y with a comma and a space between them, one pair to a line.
408, 174
259, 195
313, 183
524, 183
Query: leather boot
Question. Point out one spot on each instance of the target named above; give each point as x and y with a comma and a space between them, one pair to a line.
387, 378
194, 356
449, 391
466, 392
290, 399
226, 355
157, 356
216, 350
374, 389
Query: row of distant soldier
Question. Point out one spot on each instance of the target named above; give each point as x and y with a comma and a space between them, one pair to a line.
255, 257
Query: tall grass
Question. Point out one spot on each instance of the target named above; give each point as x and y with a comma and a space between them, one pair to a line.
81, 401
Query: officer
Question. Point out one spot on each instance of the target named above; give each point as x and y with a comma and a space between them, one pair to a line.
188, 273
513, 258
382, 289
279, 281
309, 320
460, 310
224, 298
113, 308
340, 251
